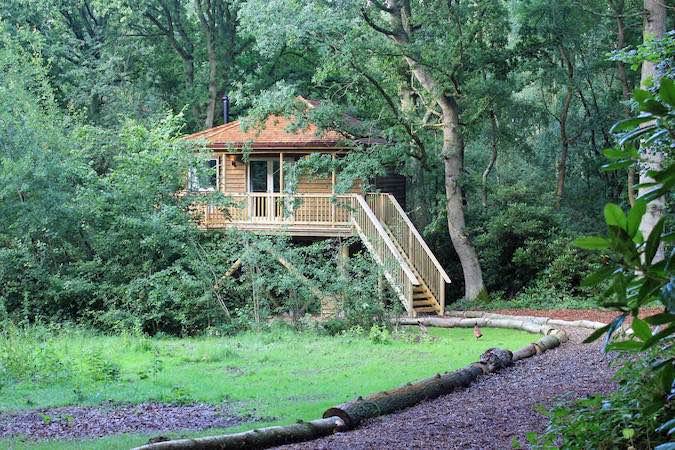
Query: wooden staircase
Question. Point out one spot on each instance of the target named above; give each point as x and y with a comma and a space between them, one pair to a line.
409, 265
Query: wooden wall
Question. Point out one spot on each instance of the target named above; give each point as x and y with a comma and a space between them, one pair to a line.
307, 185
233, 178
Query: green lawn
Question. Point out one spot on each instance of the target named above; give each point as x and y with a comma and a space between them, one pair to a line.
278, 376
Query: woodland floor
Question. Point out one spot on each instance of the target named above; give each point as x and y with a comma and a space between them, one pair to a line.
490, 413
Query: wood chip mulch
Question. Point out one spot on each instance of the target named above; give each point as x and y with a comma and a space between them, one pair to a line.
74, 422
491, 412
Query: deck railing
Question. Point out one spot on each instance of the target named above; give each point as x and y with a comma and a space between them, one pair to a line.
395, 268
275, 210
389, 212
278, 208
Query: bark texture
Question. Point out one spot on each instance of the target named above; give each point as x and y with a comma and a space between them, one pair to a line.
568, 67
401, 32
356, 411
654, 28
260, 438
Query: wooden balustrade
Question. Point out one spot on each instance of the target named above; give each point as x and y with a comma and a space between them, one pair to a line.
389, 212
277, 208
378, 219
384, 251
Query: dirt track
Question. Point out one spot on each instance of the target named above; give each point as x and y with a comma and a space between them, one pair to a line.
491, 412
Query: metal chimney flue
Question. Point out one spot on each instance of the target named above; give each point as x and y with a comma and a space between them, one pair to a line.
226, 108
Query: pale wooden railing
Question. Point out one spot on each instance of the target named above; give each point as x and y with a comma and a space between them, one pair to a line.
395, 268
389, 212
276, 210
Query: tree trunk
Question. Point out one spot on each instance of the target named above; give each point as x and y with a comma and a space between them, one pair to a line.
399, 13
207, 19
356, 411
654, 28
619, 8
259, 438
562, 120
493, 158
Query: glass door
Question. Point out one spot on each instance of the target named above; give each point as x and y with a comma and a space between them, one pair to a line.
265, 177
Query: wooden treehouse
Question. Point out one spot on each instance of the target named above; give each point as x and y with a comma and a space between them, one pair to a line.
260, 204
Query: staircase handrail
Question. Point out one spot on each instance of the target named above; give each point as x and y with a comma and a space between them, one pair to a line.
387, 240
419, 238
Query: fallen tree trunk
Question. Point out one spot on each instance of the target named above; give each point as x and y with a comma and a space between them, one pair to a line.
261, 438
478, 315
356, 411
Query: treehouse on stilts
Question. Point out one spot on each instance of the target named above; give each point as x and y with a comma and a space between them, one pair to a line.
260, 203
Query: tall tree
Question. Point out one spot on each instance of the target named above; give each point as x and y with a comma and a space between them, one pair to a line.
652, 159
403, 30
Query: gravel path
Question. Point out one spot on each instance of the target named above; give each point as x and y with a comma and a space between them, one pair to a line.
73, 422
489, 413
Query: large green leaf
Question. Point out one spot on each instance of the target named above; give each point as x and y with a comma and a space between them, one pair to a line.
597, 276
653, 241
641, 329
658, 336
614, 215
630, 124
635, 217
667, 91
591, 242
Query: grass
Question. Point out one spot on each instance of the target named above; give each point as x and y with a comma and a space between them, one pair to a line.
278, 377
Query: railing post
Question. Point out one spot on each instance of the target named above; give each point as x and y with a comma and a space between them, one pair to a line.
441, 287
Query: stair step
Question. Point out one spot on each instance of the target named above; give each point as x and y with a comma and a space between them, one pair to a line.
426, 309
421, 295
422, 304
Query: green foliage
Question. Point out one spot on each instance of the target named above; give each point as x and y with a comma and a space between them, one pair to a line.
629, 417
634, 277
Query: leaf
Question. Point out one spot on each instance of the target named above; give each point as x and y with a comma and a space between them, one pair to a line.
667, 427
613, 326
654, 107
614, 215
655, 136
658, 336
653, 241
591, 242
635, 217
667, 91
660, 319
633, 135
629, 124
641, 95
617, 165
628, 433
624, 346
641, 329
597, 276
596, 334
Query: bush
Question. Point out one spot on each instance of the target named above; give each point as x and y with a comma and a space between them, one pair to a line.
627, 418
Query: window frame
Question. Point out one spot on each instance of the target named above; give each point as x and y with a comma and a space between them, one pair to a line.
194, 184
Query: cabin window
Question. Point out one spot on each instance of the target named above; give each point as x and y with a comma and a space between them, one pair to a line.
264, 175
206, 179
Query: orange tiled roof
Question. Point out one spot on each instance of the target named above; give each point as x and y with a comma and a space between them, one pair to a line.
273, 134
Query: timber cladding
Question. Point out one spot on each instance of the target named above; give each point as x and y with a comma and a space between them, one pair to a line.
234, 177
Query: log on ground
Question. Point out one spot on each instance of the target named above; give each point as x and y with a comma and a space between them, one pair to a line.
356, 411
261, 438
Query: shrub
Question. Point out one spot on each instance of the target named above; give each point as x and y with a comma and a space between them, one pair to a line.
629, 417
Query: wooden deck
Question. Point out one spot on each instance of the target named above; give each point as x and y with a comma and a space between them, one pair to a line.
386, 231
